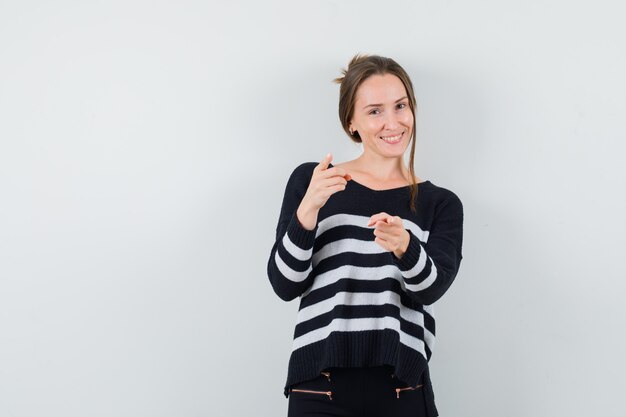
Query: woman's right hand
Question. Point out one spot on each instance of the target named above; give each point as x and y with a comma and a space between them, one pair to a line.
324, 183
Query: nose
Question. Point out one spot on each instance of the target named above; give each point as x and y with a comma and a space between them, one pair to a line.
391, 121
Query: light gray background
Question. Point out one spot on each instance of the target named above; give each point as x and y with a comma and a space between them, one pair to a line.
145, 147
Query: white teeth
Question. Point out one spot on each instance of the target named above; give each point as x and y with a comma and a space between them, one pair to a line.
391, 138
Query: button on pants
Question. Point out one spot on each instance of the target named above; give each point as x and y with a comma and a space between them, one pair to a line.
360, 392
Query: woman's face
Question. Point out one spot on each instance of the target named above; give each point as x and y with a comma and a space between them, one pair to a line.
382, 111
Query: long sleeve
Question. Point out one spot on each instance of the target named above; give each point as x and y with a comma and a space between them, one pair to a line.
429, 269
289, 265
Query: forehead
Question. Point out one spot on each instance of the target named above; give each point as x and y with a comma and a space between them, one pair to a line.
380, 89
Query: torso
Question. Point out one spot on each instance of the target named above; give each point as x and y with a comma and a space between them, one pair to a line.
365, 179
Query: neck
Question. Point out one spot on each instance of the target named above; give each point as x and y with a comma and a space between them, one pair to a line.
381, 168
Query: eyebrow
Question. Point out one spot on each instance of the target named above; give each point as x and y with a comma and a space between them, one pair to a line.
380, 104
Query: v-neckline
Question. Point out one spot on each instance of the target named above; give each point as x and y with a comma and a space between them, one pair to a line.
403, 187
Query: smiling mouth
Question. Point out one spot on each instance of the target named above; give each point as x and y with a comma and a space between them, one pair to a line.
392, 139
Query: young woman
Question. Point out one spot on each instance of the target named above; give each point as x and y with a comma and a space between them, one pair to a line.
367, 257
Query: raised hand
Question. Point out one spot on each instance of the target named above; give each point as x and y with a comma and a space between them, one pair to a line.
390, 233
324, 183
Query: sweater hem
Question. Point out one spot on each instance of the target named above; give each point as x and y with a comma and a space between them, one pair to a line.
360, 349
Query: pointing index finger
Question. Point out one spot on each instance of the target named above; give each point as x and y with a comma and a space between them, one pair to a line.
324, 162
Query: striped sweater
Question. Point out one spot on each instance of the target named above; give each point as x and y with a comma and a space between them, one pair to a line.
360, 305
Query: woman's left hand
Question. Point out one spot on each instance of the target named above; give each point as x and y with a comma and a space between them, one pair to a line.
390, 233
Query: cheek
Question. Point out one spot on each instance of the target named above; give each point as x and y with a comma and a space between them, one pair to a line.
372, 129
374, 124
407, 119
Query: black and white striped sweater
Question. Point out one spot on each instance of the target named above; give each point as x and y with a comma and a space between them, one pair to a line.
360, 305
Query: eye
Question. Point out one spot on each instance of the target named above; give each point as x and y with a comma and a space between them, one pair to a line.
402, 104
372, 112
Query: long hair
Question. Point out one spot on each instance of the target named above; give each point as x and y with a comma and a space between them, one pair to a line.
359, 69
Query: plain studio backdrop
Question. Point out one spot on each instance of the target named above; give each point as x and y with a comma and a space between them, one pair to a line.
145, 149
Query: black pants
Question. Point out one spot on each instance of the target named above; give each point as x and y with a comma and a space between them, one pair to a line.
359, 392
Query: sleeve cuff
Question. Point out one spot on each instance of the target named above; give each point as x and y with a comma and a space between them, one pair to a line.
305, 239
411, 256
